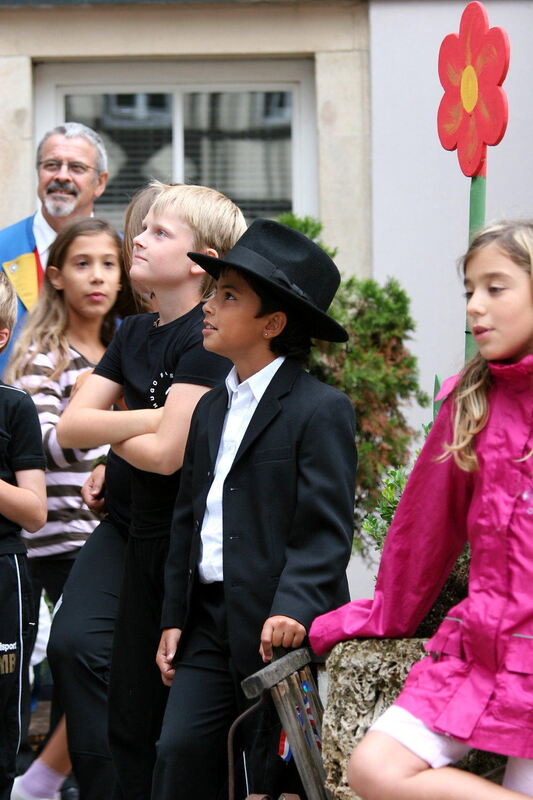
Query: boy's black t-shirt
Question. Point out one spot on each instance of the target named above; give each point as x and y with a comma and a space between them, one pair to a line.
146, 360
117, 491
21, 447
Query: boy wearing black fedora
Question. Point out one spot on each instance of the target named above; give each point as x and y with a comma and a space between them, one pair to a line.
263, 523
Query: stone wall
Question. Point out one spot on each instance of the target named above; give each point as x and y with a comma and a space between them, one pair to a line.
364, 677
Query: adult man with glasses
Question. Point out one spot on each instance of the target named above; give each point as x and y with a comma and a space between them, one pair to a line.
72, 173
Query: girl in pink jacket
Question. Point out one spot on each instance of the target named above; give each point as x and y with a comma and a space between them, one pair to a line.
472, 482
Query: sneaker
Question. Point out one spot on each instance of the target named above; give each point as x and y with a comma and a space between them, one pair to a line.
69, 793
19, 793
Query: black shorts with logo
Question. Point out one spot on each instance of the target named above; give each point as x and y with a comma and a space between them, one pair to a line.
15, 622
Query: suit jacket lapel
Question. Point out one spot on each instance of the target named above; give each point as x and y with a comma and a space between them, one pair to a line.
269, 405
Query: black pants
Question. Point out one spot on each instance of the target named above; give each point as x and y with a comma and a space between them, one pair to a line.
15, 617
205, 698
48, 573
137, 696
79, 653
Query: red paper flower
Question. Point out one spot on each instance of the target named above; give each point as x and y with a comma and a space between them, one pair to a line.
473, 110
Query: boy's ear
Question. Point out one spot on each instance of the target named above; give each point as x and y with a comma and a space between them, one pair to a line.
196, 269
54, 276
5, 333
275, 323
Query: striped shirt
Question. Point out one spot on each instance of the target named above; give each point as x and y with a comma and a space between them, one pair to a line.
69, 522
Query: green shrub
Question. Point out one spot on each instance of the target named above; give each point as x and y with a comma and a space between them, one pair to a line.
377, 522
374, 368
377, 372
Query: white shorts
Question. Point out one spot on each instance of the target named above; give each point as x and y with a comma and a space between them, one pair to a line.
435, 748
439, 750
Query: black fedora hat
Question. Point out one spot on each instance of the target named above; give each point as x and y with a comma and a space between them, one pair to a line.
290, 266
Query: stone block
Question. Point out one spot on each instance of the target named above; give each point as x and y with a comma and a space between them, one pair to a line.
364, 678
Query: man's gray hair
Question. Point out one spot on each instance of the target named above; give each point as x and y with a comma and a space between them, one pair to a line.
73, 130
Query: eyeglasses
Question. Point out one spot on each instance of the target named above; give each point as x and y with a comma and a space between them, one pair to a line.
52, 165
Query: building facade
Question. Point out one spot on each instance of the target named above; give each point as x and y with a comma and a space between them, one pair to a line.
267, 100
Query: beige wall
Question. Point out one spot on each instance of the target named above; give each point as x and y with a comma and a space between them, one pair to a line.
334, 33
17, 157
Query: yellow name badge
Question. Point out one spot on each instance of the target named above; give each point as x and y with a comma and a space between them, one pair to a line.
22, 272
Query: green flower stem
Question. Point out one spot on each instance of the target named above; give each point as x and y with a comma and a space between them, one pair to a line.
478, 187
436, 403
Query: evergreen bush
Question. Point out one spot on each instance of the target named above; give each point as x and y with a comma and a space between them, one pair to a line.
374, 368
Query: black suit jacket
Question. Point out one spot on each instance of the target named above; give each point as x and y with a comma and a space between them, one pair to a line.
287, 509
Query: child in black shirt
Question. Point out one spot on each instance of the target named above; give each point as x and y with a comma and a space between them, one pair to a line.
157, 363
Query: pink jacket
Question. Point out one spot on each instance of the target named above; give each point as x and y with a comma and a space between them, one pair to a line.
476, 684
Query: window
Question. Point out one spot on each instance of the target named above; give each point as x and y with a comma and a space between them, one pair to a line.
230, 143
138, 135
254, 141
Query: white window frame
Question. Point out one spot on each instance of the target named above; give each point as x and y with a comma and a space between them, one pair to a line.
53, 81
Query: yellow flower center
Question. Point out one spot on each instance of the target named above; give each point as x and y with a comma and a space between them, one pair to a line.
469, 88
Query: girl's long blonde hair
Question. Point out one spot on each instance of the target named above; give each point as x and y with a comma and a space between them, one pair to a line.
515, 240
46, 324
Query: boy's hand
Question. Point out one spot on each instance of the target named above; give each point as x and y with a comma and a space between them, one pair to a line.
280, 631
166, 652
92, 489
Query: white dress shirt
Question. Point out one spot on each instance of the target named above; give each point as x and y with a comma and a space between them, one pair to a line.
243, 399
44, 236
